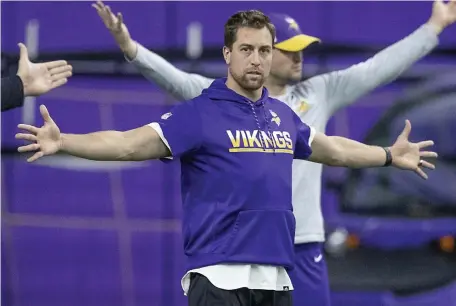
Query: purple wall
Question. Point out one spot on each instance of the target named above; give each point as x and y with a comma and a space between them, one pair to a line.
112, 236
75, 26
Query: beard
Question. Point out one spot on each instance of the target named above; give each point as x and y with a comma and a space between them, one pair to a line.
286, 78
248, 81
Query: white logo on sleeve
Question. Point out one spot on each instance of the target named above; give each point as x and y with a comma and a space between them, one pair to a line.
318, 258
166, 116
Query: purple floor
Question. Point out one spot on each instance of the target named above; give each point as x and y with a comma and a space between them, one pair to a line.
86, 233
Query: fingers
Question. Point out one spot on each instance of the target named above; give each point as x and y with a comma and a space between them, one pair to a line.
98, 6
406, 131
426, 164
61, 69
23, 52
95, 6
112, 18
428, 154
58, 83
119, 21
60, 76
35, 156
101, 9
29, 128
29, 148
421, 173
45, 114
108, 10
55, 64
425, 144
28, 137
59, 80
104, 11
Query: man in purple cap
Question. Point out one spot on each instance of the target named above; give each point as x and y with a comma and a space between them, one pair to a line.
236, 146
314, 100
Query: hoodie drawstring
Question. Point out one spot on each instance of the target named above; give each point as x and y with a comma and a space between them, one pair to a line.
260, 130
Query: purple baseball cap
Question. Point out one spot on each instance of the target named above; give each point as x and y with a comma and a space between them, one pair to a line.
288, 34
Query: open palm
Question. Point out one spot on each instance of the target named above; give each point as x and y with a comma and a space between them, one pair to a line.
34, 86
409, 156
39, 78
44, 140
113, 23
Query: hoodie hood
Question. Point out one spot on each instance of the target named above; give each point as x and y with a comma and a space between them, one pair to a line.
219, 91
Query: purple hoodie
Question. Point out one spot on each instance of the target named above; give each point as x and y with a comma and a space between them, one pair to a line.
236, 162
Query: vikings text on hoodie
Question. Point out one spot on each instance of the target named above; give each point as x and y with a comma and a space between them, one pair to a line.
236, 161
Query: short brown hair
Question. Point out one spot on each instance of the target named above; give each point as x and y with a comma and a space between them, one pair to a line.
246, 19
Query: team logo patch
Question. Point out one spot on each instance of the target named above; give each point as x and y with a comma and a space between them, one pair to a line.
166, 116
292, 24
303, 106
275, 118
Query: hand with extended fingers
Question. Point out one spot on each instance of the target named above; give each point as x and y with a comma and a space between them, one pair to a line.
45, 140
39, 78
409, 156
117, 28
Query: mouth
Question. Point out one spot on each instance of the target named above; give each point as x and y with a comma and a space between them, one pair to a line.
254, 72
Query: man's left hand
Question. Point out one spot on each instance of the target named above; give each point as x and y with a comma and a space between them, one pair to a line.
409, 156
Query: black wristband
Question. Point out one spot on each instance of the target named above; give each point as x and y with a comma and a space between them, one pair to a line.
389, 157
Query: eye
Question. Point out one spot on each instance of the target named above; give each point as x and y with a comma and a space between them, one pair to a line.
244, 49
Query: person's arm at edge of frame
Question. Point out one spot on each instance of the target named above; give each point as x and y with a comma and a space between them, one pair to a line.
180, 84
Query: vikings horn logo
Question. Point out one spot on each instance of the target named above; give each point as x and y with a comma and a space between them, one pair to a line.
275, 118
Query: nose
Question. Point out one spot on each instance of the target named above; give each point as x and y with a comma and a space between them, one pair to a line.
255, 58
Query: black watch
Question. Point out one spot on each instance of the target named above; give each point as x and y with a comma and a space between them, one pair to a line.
389, 157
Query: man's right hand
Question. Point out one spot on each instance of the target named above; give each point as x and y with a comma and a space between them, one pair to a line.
44, 141
117, 28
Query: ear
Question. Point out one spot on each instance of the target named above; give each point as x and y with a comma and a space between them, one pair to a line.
227, 55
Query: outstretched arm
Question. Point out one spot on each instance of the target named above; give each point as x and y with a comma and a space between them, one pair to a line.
12, 93
180, 84
134, 145
139, 144
343, 152
340, 88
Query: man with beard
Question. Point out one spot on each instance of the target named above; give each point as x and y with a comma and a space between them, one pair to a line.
236, 146
314, 100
